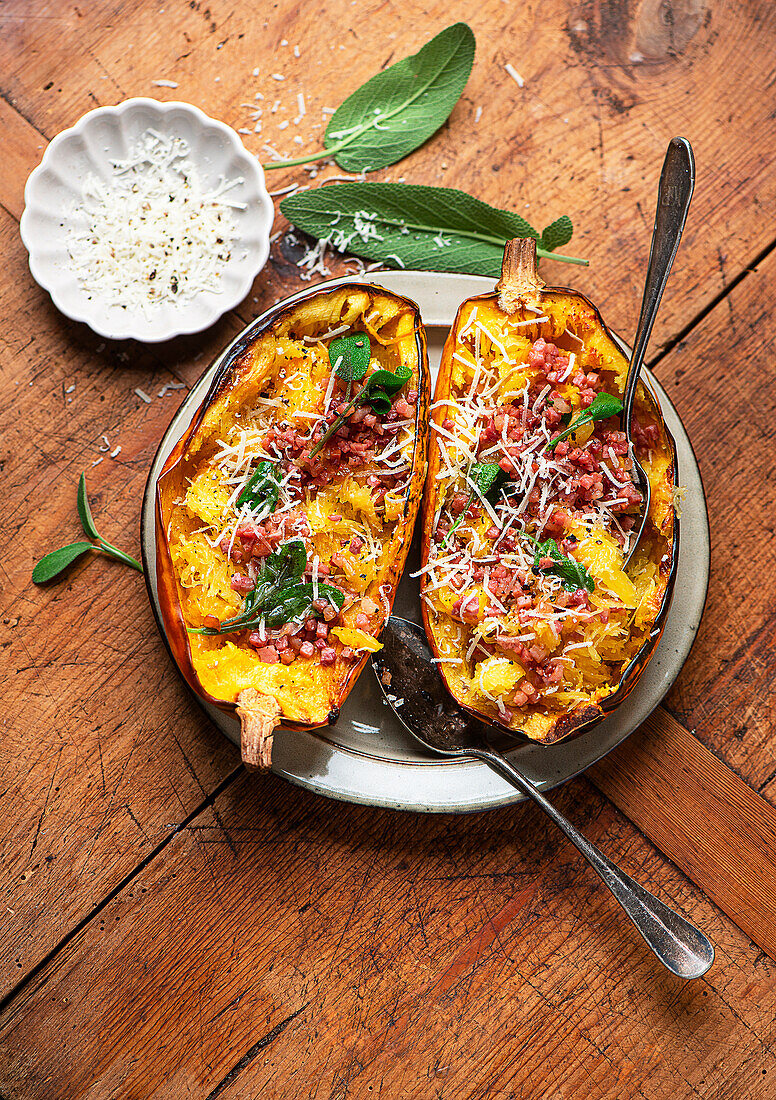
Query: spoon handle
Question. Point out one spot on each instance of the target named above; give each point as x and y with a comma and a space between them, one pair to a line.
677, 181
680, 946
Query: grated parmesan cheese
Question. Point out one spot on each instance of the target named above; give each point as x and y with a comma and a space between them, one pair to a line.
151, 233
515, 75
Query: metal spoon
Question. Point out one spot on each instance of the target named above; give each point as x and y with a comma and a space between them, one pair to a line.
677, 181
414, 688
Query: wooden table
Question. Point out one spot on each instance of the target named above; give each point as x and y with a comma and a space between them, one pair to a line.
173, 927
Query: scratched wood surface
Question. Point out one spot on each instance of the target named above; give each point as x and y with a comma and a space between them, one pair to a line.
174, 928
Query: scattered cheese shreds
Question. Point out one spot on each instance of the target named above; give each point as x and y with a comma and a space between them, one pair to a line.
165, 83
143, 397
151, 233
515, 75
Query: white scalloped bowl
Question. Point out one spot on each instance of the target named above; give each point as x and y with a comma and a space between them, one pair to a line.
108, 133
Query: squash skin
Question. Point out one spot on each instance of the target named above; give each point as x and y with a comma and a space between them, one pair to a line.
586, 714
231, 375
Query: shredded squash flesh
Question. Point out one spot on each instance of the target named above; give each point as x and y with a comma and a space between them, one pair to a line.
525, 641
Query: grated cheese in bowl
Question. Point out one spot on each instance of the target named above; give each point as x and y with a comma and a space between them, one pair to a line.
147, 220
154, 233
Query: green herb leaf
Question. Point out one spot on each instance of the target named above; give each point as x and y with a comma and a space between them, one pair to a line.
488, 477
556, 234
349, 356
50, 567
380, 402
280, 572
296, 602
400, 108
572, 573
377, 392
412, 226
604, 405
84, 511
388, 381
262, 488
55, 563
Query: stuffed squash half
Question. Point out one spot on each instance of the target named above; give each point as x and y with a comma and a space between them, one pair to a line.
530, 502
285, 513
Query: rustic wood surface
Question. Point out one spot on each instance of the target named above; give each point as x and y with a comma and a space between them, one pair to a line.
175, 928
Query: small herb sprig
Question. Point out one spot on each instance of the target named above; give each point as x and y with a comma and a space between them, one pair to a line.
485, 479
571, 572
279, 594
54, 564
351, 365
602, 407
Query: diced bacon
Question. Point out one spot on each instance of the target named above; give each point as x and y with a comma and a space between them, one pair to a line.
241, 583
268, 655
328, 655
307, 649
403, 408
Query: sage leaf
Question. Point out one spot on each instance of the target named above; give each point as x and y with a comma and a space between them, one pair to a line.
84, 511
50, 567
400, 108
389, 381
557, 234
281, 572
488, 477
377, 392
262, 488
296, 602
572, 573
412, 226
602, 407
350, 355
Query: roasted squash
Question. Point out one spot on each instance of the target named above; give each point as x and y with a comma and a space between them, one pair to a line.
285, 513
536, 624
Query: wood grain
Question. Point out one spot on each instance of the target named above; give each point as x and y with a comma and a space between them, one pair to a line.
714, 376
363, 951
702, 816
173, 928
606, 86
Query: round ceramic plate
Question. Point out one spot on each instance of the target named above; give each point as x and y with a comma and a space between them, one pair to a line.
368, 757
